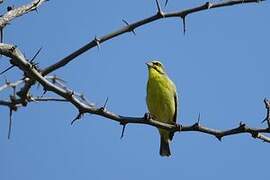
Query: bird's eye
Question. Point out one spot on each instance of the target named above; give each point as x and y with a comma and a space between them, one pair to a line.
156, 64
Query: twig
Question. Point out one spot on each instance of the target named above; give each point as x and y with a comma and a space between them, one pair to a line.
131, 27
16, 12
11, 85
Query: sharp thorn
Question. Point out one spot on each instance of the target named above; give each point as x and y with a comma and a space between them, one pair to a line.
10, 67
97, 42
76, 118
199, 118
158, 7
166, 2
2, 35
10, 123
125, 22
184, 24
134, 33
219, 138
132, 30
34, 57
123, 131
105, 104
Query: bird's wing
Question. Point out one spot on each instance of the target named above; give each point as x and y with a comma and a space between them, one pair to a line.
175, 107
175, 113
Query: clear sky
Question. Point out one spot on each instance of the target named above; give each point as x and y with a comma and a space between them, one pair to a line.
220, 68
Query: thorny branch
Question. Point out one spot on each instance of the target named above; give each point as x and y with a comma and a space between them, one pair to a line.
33, 74
21, 62
16, 12
16, 102
131, 28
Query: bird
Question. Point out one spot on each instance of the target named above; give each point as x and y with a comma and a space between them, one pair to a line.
162, 102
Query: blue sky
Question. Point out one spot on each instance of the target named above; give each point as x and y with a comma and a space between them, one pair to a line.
220, 68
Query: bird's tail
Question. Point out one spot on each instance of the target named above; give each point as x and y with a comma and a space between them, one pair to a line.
164, 147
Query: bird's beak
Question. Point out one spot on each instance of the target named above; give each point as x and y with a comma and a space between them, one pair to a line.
149, 64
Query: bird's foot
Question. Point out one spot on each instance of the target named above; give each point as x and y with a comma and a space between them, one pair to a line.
147, 116
178, 126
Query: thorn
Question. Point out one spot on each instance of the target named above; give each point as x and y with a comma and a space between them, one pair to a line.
242, 125
2, 35
184, 24
209, 5
97, 40
199, 118
44, 92
124, 21
9, 8
123, 130
104, 106
76, 118
159, 9
34, 57
131, 29
166, 2
10, 122
219, 138
10, 67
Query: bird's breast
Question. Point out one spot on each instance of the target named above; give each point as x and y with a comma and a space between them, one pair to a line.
160, 99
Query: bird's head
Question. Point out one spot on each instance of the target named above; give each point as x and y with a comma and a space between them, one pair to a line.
156, 66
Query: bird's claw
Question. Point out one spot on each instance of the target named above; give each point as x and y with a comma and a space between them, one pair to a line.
178, 126
147, 116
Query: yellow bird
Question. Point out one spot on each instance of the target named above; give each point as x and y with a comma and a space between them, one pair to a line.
161, 102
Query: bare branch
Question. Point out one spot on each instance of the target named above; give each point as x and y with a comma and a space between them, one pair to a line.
5, 103
24, 65
16, 12
46, 99
133, 26
10, 85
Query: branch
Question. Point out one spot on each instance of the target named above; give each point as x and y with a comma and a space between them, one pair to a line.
10, 85
16, 102
16, 12
21, 62
131, 27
